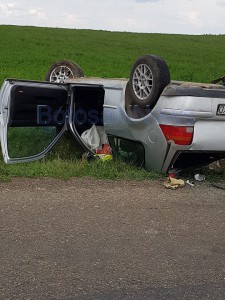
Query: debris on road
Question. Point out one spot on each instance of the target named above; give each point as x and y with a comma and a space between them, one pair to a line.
173, 183
190, 183
199, 177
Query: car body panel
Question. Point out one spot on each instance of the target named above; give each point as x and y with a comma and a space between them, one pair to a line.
180, 104
116, 122
209, 136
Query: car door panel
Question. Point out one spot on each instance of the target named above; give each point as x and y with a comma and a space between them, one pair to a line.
33, 118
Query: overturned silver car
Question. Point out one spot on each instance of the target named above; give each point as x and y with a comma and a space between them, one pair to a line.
148, 119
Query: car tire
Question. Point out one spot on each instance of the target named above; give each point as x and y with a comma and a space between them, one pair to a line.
62, 70
148, 78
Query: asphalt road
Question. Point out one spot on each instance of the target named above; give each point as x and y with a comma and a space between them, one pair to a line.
91, 239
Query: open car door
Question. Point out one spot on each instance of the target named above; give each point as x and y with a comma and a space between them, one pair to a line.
33, 118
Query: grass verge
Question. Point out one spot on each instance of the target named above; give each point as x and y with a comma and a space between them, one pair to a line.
66, 169
65, 162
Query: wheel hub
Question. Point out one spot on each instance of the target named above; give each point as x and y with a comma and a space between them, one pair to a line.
61, 77
142, 81
60, 74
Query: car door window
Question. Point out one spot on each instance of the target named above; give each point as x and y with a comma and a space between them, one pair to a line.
127, 150
29, 141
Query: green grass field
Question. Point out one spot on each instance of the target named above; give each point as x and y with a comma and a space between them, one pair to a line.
27, 53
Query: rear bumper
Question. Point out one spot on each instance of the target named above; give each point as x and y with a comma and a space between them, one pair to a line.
208, 145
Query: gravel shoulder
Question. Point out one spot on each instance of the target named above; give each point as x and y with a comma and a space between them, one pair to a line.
96, 239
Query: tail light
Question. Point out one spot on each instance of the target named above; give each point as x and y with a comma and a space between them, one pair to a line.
181, 135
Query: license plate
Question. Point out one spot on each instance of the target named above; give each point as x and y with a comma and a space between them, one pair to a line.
221, 109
